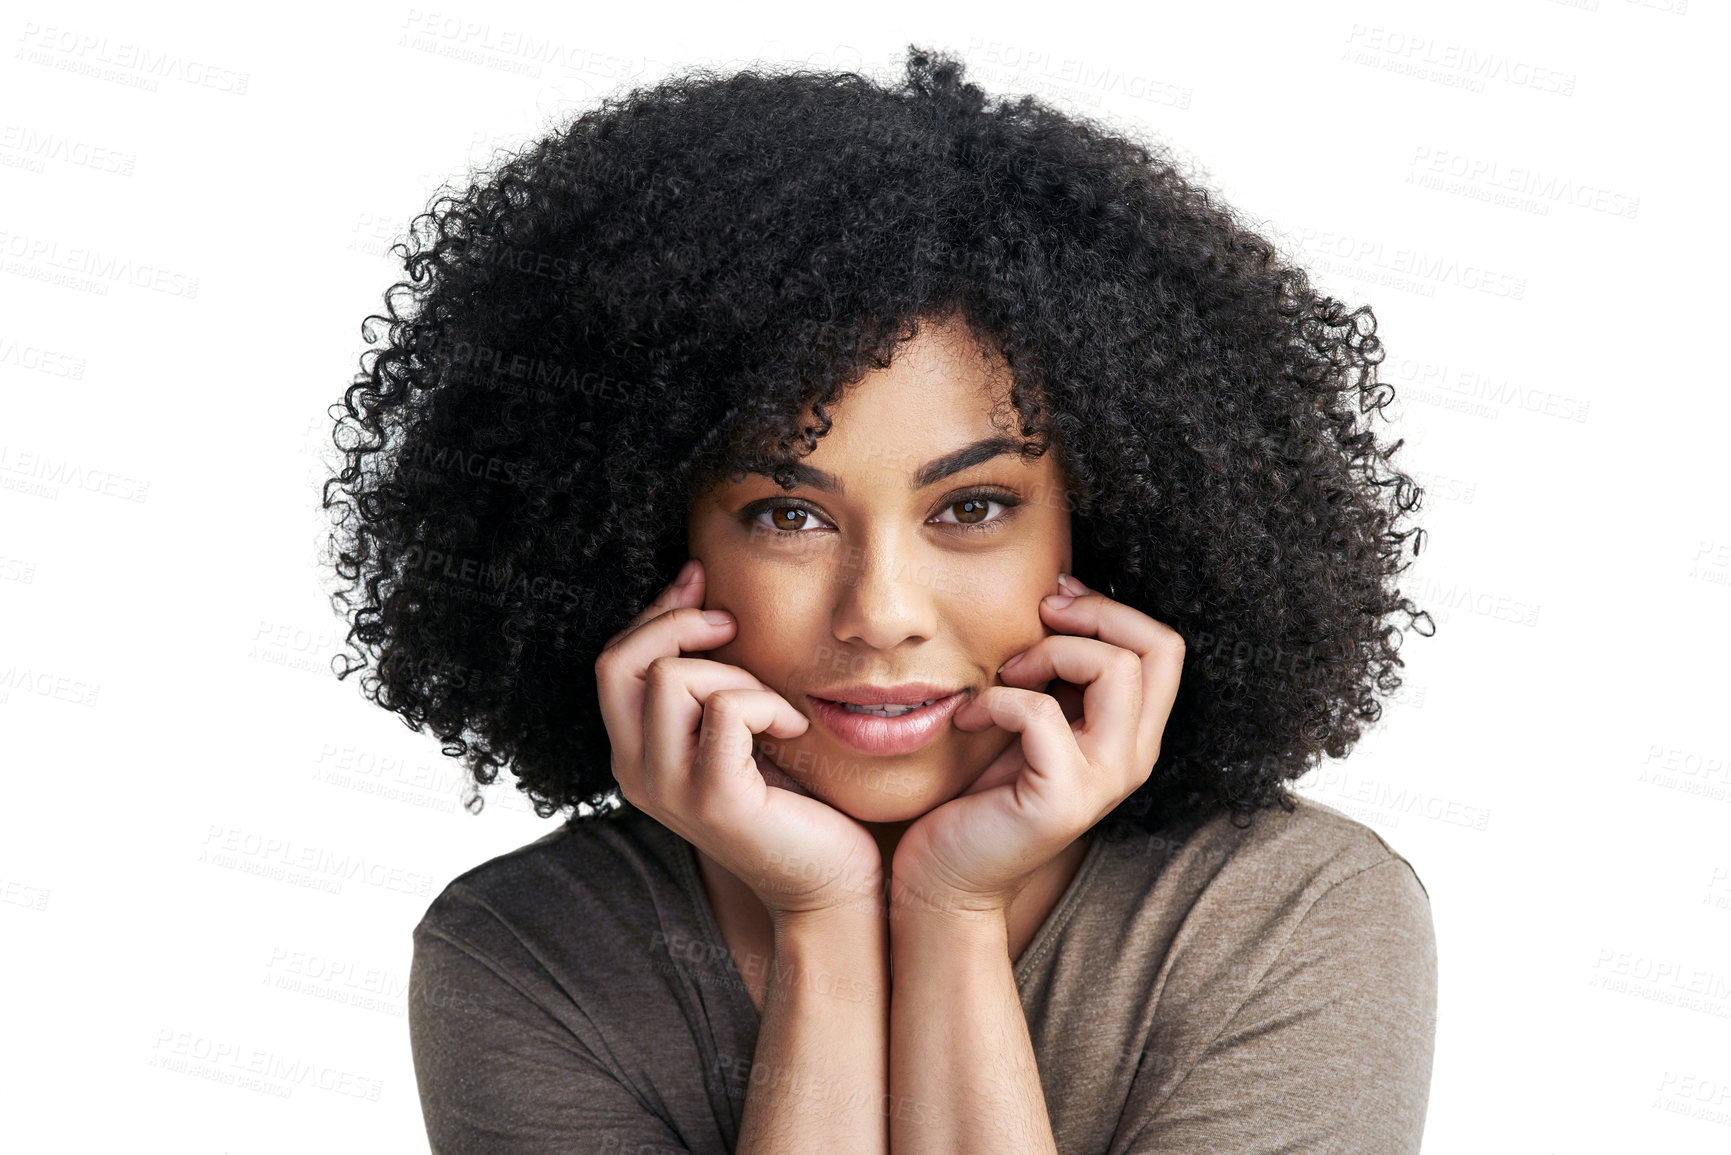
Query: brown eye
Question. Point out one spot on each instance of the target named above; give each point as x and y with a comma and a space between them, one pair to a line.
972, 510
792, 520
786, 519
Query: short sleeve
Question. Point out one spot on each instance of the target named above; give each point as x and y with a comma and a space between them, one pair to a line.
499, 1075
1332, 1050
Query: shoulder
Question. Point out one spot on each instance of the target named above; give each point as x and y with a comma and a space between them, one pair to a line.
1224, 907
538, 1014
1311, 839
591, 881
1277, 859
1292, 967
1314, 880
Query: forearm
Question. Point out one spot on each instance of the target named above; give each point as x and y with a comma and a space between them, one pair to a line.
820, 1071
962, 1068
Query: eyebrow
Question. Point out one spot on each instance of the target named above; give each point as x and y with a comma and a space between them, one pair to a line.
932, 472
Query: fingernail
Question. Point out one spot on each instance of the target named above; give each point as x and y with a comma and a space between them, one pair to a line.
1071, 585
1058, 601
686, 572
717, 617
1011, 662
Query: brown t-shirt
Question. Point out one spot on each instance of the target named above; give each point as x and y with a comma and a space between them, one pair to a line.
1264, 989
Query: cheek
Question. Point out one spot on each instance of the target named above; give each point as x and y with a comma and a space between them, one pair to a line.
1010, 602
767, 643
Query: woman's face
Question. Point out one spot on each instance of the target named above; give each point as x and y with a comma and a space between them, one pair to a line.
907, 554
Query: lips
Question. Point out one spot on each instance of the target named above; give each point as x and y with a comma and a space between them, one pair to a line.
905, 694
876, 733
885, 710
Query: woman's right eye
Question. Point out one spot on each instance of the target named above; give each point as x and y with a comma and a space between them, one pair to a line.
782, 517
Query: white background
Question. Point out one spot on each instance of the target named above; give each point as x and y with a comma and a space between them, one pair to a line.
197, 207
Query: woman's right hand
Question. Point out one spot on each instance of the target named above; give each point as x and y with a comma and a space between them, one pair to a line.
683, 735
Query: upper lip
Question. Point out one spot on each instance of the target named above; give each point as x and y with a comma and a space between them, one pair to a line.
906, 694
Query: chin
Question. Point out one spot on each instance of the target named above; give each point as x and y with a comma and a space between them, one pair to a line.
894, 796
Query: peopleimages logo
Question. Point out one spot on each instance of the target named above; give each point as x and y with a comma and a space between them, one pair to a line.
138, 65
104, 268
284, 859
254, 1068
46, 469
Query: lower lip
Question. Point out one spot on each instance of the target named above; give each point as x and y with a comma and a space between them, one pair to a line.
875, 734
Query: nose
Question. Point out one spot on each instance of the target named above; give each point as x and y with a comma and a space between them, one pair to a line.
884, 596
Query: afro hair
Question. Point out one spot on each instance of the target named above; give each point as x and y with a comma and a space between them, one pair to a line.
608, 319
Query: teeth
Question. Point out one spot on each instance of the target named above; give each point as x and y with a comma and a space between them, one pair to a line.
885, 710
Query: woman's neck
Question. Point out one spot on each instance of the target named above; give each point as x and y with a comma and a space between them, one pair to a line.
889, 836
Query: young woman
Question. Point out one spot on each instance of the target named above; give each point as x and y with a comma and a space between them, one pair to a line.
725, 474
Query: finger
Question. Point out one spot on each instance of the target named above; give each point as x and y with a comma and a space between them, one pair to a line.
621, 669
1049, 747
674, 692
675, 595
679, 690
1157, 646
1111, 681
725, 781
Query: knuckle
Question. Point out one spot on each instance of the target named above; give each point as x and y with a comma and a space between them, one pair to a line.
721, 747
660, 671
1045, 706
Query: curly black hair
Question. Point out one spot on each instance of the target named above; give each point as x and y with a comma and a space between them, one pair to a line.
614, 317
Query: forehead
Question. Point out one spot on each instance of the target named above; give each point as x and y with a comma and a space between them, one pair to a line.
940, 406
943, 393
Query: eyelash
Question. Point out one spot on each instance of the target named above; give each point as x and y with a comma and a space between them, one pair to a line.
1004, 498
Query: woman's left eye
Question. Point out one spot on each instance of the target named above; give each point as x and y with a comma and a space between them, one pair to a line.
975, 505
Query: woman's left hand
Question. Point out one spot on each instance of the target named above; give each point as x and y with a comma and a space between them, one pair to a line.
977, 851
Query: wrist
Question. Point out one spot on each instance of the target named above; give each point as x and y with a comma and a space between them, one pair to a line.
838, 919
857, 899
917, 900
837, 954
948, 913
957, 941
